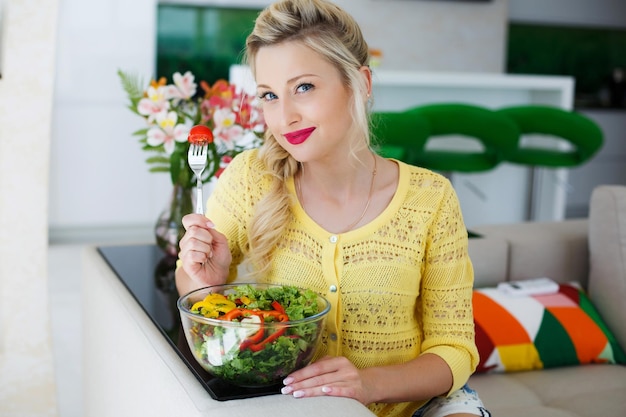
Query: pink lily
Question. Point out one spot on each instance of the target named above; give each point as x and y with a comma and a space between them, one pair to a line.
167, 132
154, 103
224, 118
184, 87
229, 137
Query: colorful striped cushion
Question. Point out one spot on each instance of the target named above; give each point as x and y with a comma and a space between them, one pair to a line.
518, 333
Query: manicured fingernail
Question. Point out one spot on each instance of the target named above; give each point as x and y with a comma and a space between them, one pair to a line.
298, 394
326, 390
210, 224
287, 380
286, 390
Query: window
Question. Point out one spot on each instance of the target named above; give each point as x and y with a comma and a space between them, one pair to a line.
205, 40
590, 55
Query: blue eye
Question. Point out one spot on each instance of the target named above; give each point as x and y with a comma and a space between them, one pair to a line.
269, 96
304, 87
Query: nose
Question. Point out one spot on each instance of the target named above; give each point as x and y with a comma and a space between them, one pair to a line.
289, 113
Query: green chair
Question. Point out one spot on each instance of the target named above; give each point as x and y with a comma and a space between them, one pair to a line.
498, 136
581, 132
399, 135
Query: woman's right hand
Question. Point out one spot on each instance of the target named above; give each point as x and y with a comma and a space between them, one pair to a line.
204, 253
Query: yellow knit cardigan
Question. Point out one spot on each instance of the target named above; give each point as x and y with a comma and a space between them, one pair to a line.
399, 286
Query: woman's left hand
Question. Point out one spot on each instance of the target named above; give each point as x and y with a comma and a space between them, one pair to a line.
332, 376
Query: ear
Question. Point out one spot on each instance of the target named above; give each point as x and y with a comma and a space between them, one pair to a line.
366, 72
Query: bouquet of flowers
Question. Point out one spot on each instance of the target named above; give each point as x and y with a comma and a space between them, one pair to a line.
170, 110
233, 120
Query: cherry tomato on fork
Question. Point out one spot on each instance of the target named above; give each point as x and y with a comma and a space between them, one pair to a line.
200, 135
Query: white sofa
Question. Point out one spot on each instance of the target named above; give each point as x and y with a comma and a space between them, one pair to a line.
589, 251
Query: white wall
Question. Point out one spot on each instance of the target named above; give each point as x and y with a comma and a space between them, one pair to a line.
608, 166
610, 13
99, 184
27, 386
98, 178
434, 35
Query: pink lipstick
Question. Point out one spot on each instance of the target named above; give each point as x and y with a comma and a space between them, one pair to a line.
299, 136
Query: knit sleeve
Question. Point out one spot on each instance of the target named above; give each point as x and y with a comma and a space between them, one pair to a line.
230, 205
446, 292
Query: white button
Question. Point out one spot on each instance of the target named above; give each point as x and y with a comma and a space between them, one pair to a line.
333, 288
333, 239
333, 337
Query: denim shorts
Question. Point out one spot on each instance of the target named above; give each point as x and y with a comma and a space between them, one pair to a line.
465, 400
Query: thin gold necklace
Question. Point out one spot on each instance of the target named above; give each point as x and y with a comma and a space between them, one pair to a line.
367, 204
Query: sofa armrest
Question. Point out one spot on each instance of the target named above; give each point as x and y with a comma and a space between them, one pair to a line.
607, 251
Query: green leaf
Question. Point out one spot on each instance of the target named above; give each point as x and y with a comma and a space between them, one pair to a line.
133, 107
175, 165
147, 147
160, 169
158, 160
141, 132
132, 85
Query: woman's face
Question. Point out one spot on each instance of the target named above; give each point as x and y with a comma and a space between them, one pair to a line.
305, 102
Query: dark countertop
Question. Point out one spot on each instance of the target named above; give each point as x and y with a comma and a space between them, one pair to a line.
148, 274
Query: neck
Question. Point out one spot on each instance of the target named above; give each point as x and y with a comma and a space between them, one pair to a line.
339, 179
355, 190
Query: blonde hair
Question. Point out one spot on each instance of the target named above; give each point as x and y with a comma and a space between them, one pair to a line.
331, 32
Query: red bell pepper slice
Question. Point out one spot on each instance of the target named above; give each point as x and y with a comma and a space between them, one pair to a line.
233, 314
239, 312
281, 318
255, 338
255, 342
278, 307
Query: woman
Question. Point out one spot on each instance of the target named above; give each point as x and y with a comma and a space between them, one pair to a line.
315, 207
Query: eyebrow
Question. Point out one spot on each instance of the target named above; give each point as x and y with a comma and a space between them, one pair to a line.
289, 81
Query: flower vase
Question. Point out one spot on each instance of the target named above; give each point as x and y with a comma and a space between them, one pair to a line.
169, 227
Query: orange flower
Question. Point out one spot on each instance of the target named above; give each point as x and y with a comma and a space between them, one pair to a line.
220, 88
156, 84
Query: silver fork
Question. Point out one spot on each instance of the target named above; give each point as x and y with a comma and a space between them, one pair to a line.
197, 158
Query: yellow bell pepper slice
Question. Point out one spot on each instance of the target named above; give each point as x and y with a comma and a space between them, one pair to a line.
212, 305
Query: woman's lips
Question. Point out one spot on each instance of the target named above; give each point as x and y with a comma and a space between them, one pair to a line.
299, 136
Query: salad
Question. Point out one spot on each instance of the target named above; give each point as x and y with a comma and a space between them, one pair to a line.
253, 335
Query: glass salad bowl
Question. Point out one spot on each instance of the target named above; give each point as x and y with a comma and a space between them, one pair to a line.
253, 335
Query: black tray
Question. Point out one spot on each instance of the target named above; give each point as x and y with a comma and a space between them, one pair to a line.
148, 274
